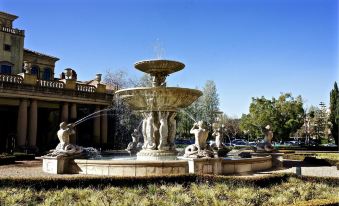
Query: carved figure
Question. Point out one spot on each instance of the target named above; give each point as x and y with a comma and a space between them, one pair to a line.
218, 138
144, 126
172, 130
266, 146
150, 131
199, 148
65, 148
163, 130
133, 147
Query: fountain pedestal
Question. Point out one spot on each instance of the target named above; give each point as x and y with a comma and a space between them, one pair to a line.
157, 155
158, 105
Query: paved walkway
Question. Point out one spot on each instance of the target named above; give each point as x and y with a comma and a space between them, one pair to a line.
34, 169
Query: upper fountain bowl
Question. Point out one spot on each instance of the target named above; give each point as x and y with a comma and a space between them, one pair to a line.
159, 66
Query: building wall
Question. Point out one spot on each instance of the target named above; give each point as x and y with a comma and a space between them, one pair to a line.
40, 62
15, 56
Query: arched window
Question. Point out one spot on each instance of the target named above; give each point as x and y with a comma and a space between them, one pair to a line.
46, 74
35, 71
6, 67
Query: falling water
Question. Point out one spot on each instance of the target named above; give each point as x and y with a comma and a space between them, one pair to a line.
189, 115
93, 115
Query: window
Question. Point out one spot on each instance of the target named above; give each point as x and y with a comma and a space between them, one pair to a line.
6, 69
7, 47
47, 74
35, 71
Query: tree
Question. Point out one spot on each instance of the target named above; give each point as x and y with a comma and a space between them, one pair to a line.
284, 115
123, 120
209, 102
203, 108
231, 126
334, 113
145, 81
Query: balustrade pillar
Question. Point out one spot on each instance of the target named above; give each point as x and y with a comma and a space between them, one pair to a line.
96, 127
22, 124
33, 121
64, 112
104, 127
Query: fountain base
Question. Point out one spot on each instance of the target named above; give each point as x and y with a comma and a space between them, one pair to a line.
157, 155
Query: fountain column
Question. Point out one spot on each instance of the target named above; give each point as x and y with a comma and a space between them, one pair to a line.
104, 127
22, 123
33, 121
64, 112
96, 127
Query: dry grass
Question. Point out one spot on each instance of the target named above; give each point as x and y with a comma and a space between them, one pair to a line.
293, 191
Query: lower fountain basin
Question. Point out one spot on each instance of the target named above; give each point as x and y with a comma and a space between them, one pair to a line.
158, 98
129, 167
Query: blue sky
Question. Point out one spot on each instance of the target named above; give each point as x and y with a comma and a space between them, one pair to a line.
250, 48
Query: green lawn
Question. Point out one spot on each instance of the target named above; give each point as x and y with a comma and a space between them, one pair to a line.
292, 191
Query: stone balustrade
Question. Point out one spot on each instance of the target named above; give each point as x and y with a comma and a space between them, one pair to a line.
16, 79
13, 31
85, 88
18, 85
51, 84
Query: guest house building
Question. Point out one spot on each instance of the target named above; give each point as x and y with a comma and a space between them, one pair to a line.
33, 101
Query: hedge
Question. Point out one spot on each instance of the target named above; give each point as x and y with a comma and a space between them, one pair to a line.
104, 181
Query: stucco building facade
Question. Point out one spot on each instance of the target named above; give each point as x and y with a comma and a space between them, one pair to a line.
33, 102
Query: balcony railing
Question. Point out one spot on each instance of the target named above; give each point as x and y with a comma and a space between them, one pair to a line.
51, 84
44, 87
85, 88
15, 79
13, 31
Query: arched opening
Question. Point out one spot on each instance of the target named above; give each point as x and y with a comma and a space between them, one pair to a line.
35, 71
6, 67
47, 74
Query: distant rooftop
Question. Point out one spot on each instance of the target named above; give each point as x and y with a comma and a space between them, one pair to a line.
40, 54
8, 16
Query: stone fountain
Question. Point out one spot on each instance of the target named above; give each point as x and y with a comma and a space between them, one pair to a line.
159, 105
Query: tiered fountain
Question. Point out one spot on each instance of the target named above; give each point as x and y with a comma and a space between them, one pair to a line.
159, 105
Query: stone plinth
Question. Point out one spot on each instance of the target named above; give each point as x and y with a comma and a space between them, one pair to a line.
60, 165
224, 166
277, 158
69, 83
157, 155
29, 79
100, 88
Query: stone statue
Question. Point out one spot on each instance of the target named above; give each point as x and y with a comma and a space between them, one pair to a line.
65, 148
27, 67
150, 131
163, 130
172, 130
200, 148
266, 146
218, 138
144, 126
134, 146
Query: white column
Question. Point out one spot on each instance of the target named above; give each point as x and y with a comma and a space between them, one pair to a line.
33, 121
104, 127
96, 127
22, 124
64, 112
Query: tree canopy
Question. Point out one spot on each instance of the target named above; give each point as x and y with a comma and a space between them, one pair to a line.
284, 115
334, 112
